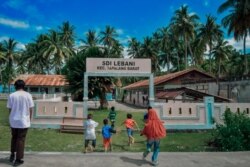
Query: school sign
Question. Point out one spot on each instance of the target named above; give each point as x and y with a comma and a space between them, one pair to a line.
116, 65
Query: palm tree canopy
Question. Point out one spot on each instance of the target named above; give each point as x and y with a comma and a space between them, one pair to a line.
108, 36
238, 20
134, 48
67, 34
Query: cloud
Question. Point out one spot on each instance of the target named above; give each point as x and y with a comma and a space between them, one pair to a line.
125, 53
2, 38
14, 4
124, 40
39, 28
238, 45
14, 23
20, 46
24, 7
206, 3
119, 31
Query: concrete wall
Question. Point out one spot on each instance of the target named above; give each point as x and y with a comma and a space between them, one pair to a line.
49, 114
37, 95
176, 115
179, 115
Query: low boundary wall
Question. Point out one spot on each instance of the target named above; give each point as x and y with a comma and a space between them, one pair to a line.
176, 115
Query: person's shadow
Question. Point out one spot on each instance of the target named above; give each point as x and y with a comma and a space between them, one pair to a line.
138, 162
5, 160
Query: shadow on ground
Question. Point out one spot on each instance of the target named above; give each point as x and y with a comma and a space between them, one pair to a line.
138, 162
5, 160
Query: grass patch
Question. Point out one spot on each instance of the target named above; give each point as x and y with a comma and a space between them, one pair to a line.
52, 140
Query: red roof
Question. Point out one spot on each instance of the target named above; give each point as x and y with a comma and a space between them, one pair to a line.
43, 80
164, 78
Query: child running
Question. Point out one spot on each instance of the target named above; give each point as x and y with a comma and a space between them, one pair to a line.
130, 123
112, 116
107, 131
154, 131
90, 135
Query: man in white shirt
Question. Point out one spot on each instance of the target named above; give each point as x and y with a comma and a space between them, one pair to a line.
20, 105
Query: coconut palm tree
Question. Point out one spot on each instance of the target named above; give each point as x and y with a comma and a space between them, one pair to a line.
237, 21
32, 58
116, 50
108, 38
221, 52
91, 39
209, 34
177, 47
66, 31
53, 48
148, 51
10, 52
134, 48
2, 60
184, 24
166, 48
234, 65
156, 40
198, 48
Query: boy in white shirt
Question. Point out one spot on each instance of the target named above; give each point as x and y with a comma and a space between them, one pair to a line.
90, 135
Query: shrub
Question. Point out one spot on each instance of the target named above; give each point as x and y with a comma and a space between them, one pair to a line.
234, 134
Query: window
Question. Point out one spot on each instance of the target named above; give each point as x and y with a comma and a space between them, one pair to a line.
180, 112
34, 89
190, 111
57, 90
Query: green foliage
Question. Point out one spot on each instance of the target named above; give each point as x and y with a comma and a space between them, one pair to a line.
74, 71
234, 134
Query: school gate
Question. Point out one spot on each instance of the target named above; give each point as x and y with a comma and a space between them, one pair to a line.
116, 67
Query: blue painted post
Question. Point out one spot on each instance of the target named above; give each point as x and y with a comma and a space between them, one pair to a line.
85, 96
151, 90
209, 108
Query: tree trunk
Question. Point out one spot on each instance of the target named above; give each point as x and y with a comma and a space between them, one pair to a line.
191, 53
103, 100
168, 62
218, 79
245, 55
210, 58
185, 41
219, 68
178, 61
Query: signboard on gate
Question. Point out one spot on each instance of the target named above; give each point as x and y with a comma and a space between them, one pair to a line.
116, 65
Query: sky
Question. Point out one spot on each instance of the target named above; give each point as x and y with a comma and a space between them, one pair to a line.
23, 20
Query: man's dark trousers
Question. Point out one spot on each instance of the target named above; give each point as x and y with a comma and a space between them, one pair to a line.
18, 141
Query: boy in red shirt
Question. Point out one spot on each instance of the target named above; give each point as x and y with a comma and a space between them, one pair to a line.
130, 124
